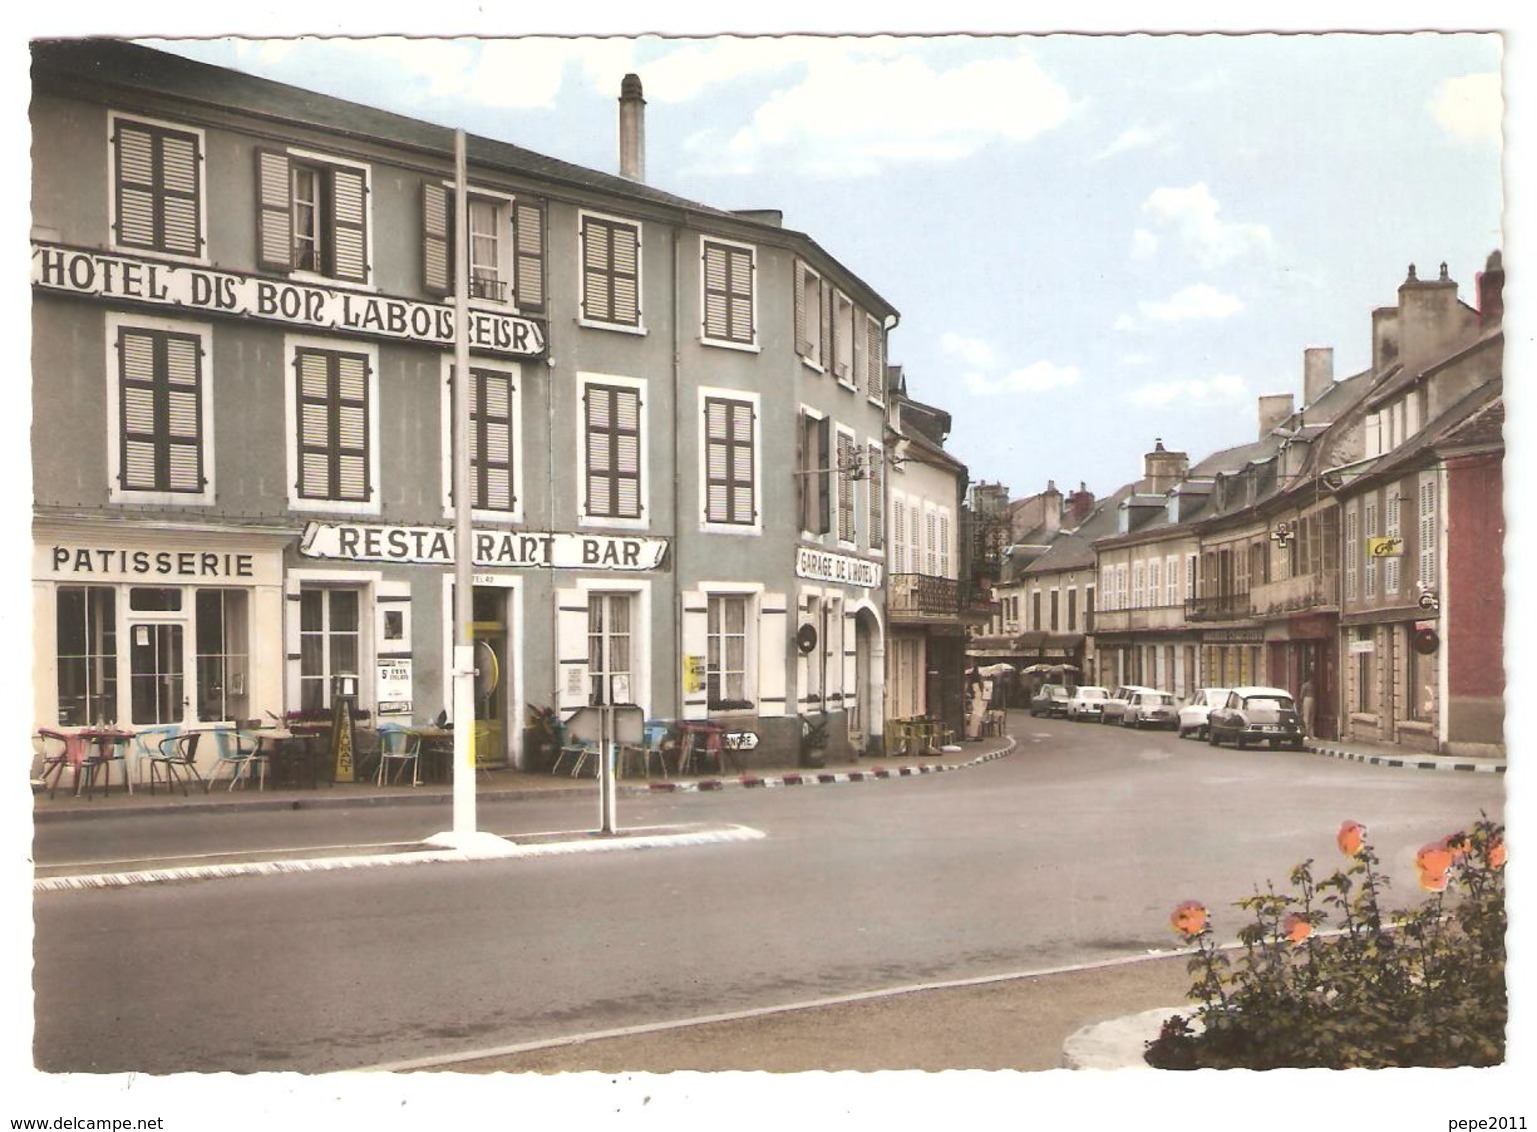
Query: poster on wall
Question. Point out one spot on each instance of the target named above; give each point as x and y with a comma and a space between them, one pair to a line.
392, 683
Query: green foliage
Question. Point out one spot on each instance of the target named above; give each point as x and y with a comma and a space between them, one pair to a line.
1421, 987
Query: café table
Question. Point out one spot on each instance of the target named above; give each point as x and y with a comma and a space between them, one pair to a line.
293, 756
110, 746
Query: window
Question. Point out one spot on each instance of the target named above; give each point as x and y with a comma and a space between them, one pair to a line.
944, 544
610, 271
1154, 580
609, 655
899, 536
332, 394
157, 188
160, 412
875, 462
329, 642
312, 216
730, 466
931, 542
612, 445
843, 339
506, 241
846, 462
1138, 579
1120, 586
1190, 576
1035, 610
86, 630
223, 655
726, 675
1427, 548
815, 478
1072, 610
1171, 580
1365, 670
492, 440
812, 315
728, 294
1054, 602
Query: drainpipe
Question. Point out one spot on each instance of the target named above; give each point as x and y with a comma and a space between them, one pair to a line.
677, 433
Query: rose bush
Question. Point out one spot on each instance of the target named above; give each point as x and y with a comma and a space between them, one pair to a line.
1420, 987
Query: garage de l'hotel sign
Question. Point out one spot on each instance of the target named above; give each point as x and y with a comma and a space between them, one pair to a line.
316, 306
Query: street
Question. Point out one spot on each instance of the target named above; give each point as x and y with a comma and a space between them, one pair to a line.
1072, 849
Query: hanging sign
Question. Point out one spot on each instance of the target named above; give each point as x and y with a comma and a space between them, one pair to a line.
1384, 546
822, 566
560, 550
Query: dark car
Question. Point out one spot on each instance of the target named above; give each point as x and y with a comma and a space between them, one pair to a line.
1255, 715
1050, 700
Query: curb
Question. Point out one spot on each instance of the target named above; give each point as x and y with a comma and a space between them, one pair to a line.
1432, 762
581, 843
826, 778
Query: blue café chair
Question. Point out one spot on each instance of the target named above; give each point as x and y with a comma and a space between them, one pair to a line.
146, 745
240, 751
401, 746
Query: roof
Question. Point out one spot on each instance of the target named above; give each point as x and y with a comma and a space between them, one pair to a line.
119, 63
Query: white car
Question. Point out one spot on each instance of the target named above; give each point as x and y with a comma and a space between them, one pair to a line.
1192, 717
1115, 703
1150, 709
1087, 702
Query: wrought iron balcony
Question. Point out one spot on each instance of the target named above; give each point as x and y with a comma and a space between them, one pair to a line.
922, 597
1297, 595
1219, 607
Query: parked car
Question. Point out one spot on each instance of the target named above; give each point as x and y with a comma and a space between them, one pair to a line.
1050, 700
1115, 703
1087, 702
1255, 715
1150, 709
1192, 717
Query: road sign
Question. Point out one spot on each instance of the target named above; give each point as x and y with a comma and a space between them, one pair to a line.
739, 740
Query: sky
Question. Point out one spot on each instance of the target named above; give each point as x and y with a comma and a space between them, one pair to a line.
1095, 242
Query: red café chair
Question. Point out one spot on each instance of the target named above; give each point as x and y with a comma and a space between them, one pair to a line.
105, 749
54, 749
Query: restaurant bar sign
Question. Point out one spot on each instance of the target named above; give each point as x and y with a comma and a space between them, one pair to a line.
273, 300
378, 542
820, 566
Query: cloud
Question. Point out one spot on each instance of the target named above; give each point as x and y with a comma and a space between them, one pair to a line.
1192, 393
1470, 107
1037, 377
1144, 245
1137, 137
1192, 214
982, 363
1199, 301
857, 107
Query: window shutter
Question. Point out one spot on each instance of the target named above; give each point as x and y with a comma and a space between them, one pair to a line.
743, 505
717, 461
824, 476
825, 301
717, 301
314, 424
875, 377
597, 257
349, 224
802, 480
626, 268
161, 411
437, 239
136, 367
1427, 548
877, 527
845, 488
274, 216
184, 470
741, 284
1390, 565
899, 538
352, 427
491, 439
802, 345
179, 172
135, 186
528, 254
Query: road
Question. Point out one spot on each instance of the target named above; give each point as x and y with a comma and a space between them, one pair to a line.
1073, 849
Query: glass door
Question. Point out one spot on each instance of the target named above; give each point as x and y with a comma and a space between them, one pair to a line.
156, 666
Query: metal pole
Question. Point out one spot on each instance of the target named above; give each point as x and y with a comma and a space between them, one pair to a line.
464, 649
607, 789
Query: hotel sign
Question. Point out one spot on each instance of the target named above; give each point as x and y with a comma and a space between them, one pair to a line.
378, 542
203, 290
820, 566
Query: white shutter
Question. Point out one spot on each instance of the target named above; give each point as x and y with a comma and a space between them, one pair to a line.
274, 215
848, 646
571, 648
773, 639
349, 224
696, 627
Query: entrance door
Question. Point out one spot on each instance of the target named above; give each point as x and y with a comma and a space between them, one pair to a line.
488, 631
155, 672
609, 661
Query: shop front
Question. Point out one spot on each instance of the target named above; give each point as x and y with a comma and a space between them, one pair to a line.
140, 626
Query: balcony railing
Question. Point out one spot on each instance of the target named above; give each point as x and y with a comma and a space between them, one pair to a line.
1297, 595
921, 597
1219, 607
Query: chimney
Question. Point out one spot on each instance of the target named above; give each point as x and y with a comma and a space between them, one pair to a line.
1163, 469
1317, 373
1081, 502
632, 130
1428, 315
1491, 291
1384, 338
1051, 507
1274, 409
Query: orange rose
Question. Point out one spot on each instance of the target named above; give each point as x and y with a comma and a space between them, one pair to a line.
1457, 845
1296, 927
1189, 919
1497, 855
1351, 836
1434, 858
1432, 881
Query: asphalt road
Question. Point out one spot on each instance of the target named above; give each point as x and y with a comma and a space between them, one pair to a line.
1071, 850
